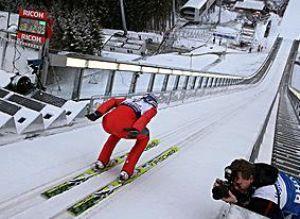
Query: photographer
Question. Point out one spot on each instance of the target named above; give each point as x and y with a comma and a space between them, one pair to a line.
260, 188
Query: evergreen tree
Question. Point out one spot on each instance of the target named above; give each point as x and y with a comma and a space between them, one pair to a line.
160, 11
140, 14
113, 17
137, 14
77, 24
2, 6
78, 28
11, 5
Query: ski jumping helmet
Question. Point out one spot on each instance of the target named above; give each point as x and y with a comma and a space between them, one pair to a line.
151, 99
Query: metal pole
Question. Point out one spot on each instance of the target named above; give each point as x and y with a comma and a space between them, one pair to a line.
77, 83
220, 9
186, 82
194, 82
205, 82
191, 61
165, 83
211, 82
176, 82
6, 41
200, 82
151, 83
134, 79
44, 56
110, 83
174, 12
123, 17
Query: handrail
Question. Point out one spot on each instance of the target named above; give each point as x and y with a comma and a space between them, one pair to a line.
259, 140
281, 89
259, 74
262, 70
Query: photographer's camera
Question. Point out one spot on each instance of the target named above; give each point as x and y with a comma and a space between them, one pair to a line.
222, 189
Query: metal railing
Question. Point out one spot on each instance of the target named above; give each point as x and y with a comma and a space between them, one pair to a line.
208, 84
286, 142
294, 96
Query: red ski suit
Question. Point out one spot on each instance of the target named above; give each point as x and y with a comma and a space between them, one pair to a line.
120, 117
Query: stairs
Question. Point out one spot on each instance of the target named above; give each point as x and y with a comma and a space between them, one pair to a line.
286, 150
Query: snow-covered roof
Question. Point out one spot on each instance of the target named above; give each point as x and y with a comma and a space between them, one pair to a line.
194, 4
250, 4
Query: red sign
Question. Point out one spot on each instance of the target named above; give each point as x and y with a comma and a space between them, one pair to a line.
31, 38
40, 15
35, 27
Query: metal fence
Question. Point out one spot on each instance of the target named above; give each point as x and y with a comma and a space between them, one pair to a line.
81, 77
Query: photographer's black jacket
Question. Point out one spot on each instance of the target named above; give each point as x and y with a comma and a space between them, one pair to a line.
265, 175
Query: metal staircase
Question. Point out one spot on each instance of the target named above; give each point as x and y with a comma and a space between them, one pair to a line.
286, 147
286, 150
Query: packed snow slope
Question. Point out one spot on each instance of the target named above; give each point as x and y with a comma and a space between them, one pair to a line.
210, 132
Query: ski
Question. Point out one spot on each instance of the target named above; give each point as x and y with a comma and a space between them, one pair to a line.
99, 195
89, 173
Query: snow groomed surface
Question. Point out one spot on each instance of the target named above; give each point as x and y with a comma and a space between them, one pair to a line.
89, 173
115, 185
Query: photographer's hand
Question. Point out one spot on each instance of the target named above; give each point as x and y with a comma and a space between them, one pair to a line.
231, 199
218, 182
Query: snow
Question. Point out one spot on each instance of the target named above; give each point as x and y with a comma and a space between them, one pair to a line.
156, 37
212, 58
3, 118
56, 113
296, 77
290, 28
32, 118
226, 16
20, 55
192, 62
194, 4
117, 56
248, 63
14, 18
226, 30
201, 130
210, 132
266, 148
5, 78
250, 4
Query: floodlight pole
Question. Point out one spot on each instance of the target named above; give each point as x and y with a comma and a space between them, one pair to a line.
174, 12
123, 17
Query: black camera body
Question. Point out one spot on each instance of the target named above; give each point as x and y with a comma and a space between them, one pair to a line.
222, 190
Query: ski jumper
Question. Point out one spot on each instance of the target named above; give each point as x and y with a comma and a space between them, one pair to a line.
122, 115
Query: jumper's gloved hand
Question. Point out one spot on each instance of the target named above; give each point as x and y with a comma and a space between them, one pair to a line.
94, 116
132, 133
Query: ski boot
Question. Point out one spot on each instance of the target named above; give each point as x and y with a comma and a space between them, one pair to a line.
124, 176
99, 165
